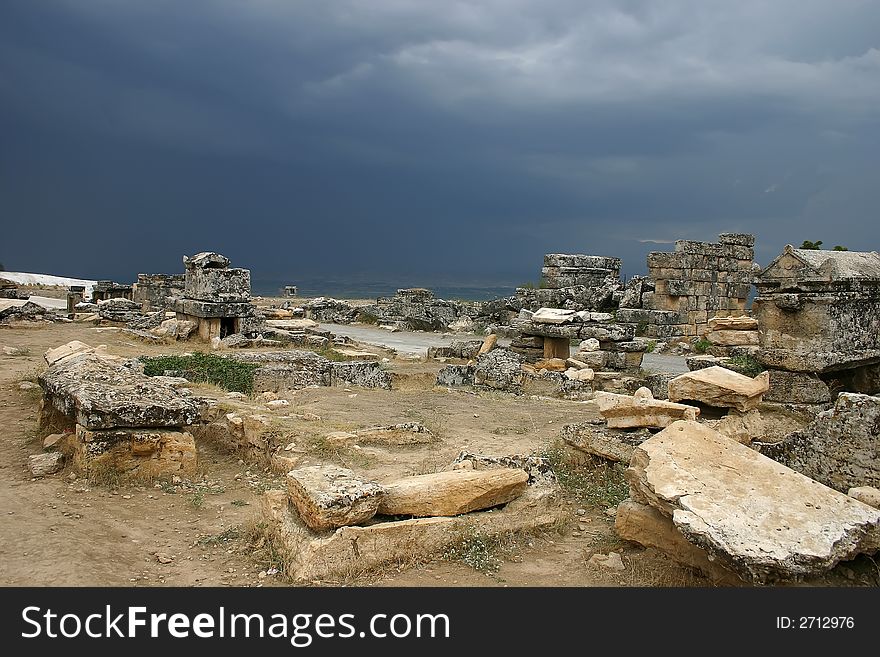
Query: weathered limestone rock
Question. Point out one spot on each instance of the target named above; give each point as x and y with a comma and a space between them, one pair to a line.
718, 386
456, 375
41, 465
99, 394
839, 448
575, 374
348, 550
488, 344
753, 515
641, 410
554, 316
328, 497
452, 493
142, 454
552, 364
365, 374
768, 423
500, 369
119, 309
72, 348
590, 344
733, 338
866, 494
797, 388
646, 526
611, 444
742, 323
54, 441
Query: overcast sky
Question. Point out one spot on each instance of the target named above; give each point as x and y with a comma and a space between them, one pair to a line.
428, 141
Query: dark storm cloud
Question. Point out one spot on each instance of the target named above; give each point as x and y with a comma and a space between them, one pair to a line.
423, 141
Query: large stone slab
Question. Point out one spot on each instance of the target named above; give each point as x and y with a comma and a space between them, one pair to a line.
100, 394
755, 516
308, 557
452, 493
641, 410
840, 448
797, 388
719, 386
554, 316
327, 496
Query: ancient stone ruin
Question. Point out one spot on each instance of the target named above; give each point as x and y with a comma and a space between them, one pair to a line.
158, 291
112, 418
331, 522
216, 297
819, 323
574, 282
697, 281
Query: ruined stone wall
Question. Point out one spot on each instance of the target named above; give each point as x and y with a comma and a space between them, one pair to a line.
574, 281
155, 291
697, 281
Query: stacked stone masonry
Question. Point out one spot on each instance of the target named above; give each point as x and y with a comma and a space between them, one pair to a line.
697, 281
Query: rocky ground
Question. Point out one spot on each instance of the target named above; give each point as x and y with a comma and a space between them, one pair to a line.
64, 530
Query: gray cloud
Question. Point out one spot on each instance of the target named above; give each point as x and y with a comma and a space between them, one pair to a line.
434, 139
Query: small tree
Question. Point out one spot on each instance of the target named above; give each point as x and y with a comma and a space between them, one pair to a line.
812, 246
840, 248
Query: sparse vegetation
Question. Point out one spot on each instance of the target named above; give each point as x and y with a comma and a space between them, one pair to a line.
745, 364
650, 346
483, 553
199, 367
598, 484
702, 345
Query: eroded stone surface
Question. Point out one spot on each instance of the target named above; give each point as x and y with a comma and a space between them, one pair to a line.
641, 410
327, 496
452, 493
100, 394
839, 448
757, 517
719, 386
611, 444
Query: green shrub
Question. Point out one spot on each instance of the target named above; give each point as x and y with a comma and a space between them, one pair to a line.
745, 364
702, 345
651, 346
199, 367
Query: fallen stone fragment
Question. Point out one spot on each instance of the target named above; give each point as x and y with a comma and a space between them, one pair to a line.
327, 496
27, 385
612, 444
138, 454
718, 386
452, 493
53, 441
590, 344
575, 374
488, 345
41, 465
641, 410
72, 348
867, 494
755, 516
